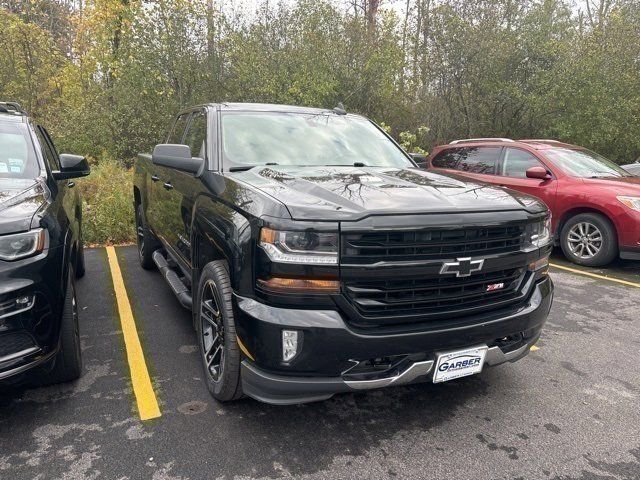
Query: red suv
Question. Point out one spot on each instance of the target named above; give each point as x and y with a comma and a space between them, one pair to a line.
595, 203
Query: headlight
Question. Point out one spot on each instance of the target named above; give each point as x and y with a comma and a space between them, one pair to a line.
539, 233
300, 247
21, 245
632, 202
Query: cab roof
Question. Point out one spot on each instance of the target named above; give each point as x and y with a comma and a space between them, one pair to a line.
271, 107
263, 107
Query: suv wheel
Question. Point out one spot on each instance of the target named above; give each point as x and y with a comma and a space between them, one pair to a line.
216, 332
589, 239
145, 242
68, 361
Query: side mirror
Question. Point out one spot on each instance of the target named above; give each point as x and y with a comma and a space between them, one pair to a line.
540, 173
72, 166
177, 156
421, 159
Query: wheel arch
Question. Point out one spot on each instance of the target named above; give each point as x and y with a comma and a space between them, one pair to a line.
572, 212
207, 245
226, 236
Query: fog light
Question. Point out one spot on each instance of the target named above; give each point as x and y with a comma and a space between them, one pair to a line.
23, 301
17, 305
289, 344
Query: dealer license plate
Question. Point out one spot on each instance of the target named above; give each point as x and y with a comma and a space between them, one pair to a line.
461, 363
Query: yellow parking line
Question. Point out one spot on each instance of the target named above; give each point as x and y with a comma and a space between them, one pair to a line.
145, 396
595, 275
534, 348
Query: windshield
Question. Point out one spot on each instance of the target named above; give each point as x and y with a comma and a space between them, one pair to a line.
585, 163
17, 157
302, 139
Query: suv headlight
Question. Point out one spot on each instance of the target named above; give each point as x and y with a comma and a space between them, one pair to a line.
21, 245
539, 233
300, 247
632, 202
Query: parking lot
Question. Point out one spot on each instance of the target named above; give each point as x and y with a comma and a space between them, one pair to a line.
570, 410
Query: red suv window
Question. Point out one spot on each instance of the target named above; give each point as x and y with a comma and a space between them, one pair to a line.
446, 159
516, 162
469, 159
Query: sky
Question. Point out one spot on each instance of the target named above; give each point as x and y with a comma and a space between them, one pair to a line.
248, 8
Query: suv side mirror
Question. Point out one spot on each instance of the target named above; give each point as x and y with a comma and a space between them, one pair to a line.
72, 166
540, 173
177, 156
421, 159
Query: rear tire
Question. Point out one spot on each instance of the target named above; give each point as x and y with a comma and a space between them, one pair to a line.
589, 239
215, 323
68, 361
146, 243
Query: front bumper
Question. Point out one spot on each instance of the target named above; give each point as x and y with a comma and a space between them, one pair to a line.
283, 390
628, 229
30, 333
330, 347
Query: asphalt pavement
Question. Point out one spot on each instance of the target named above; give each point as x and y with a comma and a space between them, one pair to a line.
570, 410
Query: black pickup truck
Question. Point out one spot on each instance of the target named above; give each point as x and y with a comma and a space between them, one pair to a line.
317, 258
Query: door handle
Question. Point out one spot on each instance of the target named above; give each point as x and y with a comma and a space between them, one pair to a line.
155, 178
168, 186
71, 184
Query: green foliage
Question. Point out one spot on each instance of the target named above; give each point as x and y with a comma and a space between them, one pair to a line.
30, 64
411, 141
107, 212
108, 78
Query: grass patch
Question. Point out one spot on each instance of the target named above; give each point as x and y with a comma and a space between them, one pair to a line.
107, 205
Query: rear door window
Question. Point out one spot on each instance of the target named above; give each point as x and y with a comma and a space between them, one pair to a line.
516, 162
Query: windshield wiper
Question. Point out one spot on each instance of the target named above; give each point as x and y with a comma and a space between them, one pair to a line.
244, 168
606, 175
354, 164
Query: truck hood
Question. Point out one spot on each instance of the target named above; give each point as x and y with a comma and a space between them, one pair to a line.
19, 201
350, 193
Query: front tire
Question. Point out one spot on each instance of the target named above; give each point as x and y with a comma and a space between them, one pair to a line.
145, 242
68, 361
589, 239
215, 327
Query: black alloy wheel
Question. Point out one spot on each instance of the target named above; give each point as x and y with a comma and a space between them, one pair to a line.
212, 329
215, 328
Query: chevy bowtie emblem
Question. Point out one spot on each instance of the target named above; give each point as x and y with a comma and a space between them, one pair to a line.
463, 267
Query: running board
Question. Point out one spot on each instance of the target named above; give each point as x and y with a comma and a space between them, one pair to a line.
178, 287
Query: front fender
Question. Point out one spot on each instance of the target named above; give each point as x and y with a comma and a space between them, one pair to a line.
221, 232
